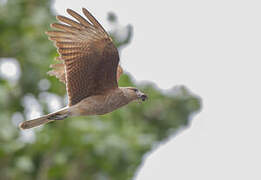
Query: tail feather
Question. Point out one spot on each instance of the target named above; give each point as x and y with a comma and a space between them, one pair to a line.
59, 115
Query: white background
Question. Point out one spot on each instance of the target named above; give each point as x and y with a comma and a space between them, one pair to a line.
213, 48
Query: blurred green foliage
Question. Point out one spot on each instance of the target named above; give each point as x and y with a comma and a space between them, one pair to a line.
99, 147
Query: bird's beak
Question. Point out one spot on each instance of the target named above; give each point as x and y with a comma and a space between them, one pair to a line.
142, 96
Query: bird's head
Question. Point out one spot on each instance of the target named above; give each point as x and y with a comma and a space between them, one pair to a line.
133, 93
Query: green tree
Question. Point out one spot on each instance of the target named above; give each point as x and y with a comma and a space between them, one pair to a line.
98, 147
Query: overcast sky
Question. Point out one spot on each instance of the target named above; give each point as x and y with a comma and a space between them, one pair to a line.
213, 48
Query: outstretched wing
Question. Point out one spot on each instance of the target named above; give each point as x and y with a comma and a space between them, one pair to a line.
89, 57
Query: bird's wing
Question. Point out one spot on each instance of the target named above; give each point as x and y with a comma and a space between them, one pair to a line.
58, 70
89, 57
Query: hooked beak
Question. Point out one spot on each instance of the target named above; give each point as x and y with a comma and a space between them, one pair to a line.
143, 96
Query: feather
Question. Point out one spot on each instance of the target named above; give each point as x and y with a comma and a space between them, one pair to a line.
92, 19
64, 27
61, 114
70, 22
79, 18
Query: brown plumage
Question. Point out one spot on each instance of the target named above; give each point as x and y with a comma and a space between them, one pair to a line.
89, 66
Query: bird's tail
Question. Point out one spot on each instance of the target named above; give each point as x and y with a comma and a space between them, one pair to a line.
59, 115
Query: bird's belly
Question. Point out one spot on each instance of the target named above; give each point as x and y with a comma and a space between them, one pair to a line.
107, 108
103, 109
95, 107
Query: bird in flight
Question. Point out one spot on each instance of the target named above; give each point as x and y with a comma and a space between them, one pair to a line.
89, 67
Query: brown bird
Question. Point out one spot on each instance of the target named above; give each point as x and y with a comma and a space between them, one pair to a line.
89, 66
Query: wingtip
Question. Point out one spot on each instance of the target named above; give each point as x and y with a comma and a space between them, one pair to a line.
53, 25
84, 10
69, 11
59, 59
49, 33
58, 17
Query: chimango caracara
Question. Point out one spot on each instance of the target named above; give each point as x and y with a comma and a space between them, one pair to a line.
89, 66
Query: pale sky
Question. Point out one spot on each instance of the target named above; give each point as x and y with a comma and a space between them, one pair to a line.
213, 48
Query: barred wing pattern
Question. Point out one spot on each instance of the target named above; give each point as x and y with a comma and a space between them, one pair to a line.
58, 70
89, 58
